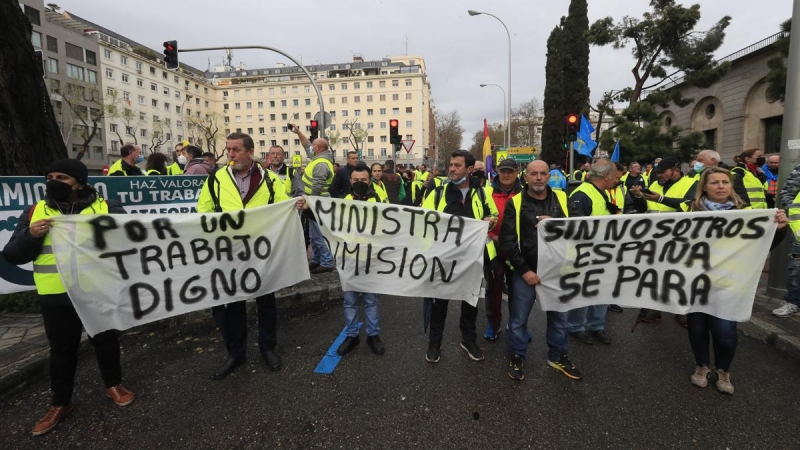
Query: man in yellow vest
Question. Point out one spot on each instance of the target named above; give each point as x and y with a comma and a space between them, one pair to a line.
126, 166
791, 304
518, 241
178, 160
589, 199
317, 180
461, 196
672, 192
421, 173
243, 184
66, 192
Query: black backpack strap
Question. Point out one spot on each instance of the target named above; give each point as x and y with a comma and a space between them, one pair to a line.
437, 196
212, 182
268, 180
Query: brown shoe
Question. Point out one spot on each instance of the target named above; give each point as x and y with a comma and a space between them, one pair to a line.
51, 419
120, 395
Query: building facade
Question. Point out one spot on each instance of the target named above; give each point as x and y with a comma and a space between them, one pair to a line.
735, 113
360, 96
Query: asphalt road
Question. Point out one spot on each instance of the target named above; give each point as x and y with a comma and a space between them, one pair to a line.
635, 393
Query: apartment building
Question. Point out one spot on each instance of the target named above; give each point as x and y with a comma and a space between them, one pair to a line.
360, 96
72, 77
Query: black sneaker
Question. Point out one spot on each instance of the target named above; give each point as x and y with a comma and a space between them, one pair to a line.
602, 336
349, 343
515, 371
566, 367
376, 345
434, 352
583, 336
473, 350
615, 308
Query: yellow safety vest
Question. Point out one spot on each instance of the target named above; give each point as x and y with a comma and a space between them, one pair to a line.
418, 175
45, 272
155, 172
174, 169
415, 186
754, 188
381, 191
116, 167
437, 204
599, 201
575, 175
617, 196
517, 199
229, 197
308, 176
793, 213
677, 190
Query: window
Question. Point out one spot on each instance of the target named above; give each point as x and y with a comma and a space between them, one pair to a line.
382, 97
307, 89
164, 75
332, 101
308, 102
382, 84
395, 83
177, 109
370, 126
369, 84
383, 138
143, 132
371, 153
74, 52
109, 73
52, 44
75, 72
92, 76
344, 100
248, 105
295, 89
113, 128
383, 152
283, 90
237, 93
36, 40
772, 134
344, 113
271, 91
308, 115
369, 98
237, 105
261, 131
166, 106
711, 138
33, 15
344, 86
383, 125
52, 65
408, 109
166, 91
357, 99
357, 85
153, 87
125, 78
408, 82
153, 71
272, 117
284, 116
383, 111
55, 87
395, 97
126, 96
395, 111
123, 60
107, 53
370, 112
178, 94
260, 105
295, 102
142, 100
129, 130
139, 66
272, 103
224, 94
154, 103
91, 57
408, 95
273, 130
115, 146
357, 113
283, 103
409, 124
139, 82
111, 92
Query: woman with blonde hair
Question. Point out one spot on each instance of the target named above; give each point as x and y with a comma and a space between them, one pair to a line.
715, 193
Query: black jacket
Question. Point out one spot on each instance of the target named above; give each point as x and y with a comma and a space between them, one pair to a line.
523, 255
340, 186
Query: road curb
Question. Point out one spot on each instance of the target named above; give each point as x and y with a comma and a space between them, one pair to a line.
286, 299
772, 335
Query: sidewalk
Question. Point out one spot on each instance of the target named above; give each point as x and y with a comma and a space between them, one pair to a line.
24, 349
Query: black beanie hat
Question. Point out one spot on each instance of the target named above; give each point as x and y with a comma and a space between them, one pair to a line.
71, 167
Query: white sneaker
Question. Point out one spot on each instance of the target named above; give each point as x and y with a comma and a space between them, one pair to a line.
786, 310
700, 376
724, 384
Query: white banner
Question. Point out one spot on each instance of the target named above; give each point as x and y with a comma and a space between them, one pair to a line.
403, 250
706, 262
127, 270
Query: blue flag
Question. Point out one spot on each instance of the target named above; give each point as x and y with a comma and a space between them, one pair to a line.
585, 145
615, 155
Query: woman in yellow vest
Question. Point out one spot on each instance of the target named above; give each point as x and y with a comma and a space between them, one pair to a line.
66, 192
156, 164
376, 172
715, 193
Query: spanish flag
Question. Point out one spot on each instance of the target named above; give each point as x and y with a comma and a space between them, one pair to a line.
487, 145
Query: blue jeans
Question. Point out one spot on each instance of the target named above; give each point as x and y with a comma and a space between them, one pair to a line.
351, 313
518, 312
723, 335
591, 318
320, 253
793, 276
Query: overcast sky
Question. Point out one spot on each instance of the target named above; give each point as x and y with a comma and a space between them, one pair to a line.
460, 51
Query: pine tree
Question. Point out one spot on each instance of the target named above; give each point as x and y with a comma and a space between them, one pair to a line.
29, 136
553, 126
575, 59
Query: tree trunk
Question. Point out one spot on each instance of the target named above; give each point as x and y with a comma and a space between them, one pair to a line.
29, 136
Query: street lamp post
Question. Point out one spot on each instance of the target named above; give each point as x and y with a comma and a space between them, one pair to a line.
186, 98
472, 12
505, 120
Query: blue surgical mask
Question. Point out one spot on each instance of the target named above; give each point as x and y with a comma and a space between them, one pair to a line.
139, 159
461, 180
698, 167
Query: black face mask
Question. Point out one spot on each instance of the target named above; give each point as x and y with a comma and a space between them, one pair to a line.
58, 190
479, 174
360, 189
761, 161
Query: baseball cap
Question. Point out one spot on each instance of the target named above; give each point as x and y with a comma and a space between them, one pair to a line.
507, 164
667, 163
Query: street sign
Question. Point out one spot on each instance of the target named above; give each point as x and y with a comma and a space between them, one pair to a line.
522, 158
501, 155
324, 122
408, 144
297, 161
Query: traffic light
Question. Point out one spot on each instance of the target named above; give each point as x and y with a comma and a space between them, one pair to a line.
314, 129
394, 133
171, 54
572, 128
